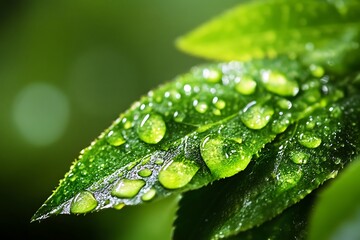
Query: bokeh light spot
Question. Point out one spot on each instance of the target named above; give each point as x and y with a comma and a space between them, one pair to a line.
41, 113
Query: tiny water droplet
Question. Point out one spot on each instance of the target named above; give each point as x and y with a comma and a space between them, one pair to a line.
126, 188
280, 125
317, 71
119, 206
83, 202
177, 174
159, 161
201, 107
224, 157
212, 75
277, 83
152, 128
115, 138
219, 104
255, 116
309, 140
246, 85
179, 116
299, 157
149, 195
145, 172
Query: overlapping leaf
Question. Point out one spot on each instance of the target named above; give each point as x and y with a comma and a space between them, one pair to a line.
206, 125
297, 162
317, 31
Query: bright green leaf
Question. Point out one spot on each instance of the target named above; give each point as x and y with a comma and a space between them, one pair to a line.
317, 30
308, 153
337, 212
189, 132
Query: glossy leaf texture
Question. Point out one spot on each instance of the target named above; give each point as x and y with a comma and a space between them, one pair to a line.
206, 125
298, 161
337, 213
319, 31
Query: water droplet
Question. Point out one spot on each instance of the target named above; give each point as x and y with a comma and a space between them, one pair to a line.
126, 188
179, 116
201, 107
119, 206
335, 112
83, 202
224, 157
145, 172
187, 89
284, 104
277, 83
280, 125
287, 180
219, 104
309, 140
216, 112
299, 157
149, 195
255, 116
177, 174
212, 75
115, 138
317, 71
152, 128
246, 85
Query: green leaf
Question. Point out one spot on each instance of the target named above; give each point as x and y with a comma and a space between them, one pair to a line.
310, 152
205, 125
337, 212
291, 224
316, 30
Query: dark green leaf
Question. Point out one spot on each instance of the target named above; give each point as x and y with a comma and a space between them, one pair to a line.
337, 213
310, 152
291, 224
204, 126
318, 30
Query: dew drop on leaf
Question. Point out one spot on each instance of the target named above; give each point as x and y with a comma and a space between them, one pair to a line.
149, 195
200, 107
211, 75
284, 103
179, 116
299, 157
126, 188
145, 172
83, 202
119, 206
255, 116
177, 174
277, 83
317, 71
223, 157
219, 104
280, 125
152, 128
115, 138
246, 86
309, 140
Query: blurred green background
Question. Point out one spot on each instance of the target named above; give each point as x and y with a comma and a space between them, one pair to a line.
67, 69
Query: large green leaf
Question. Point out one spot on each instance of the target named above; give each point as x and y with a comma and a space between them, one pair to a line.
206, 125
310, 152
316, 30
337, 213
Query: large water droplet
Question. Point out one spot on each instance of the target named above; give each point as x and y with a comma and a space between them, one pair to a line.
83, 202
255, 116
309, 140
177, 174
149, 195
246, 85
126, 188
115, 138
212, 75
223, 157
152, 128
277, 83
145, 172
299, 157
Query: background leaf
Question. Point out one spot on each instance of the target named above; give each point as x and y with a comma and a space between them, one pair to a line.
337, 212
287, 169
204, 126
318, 31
